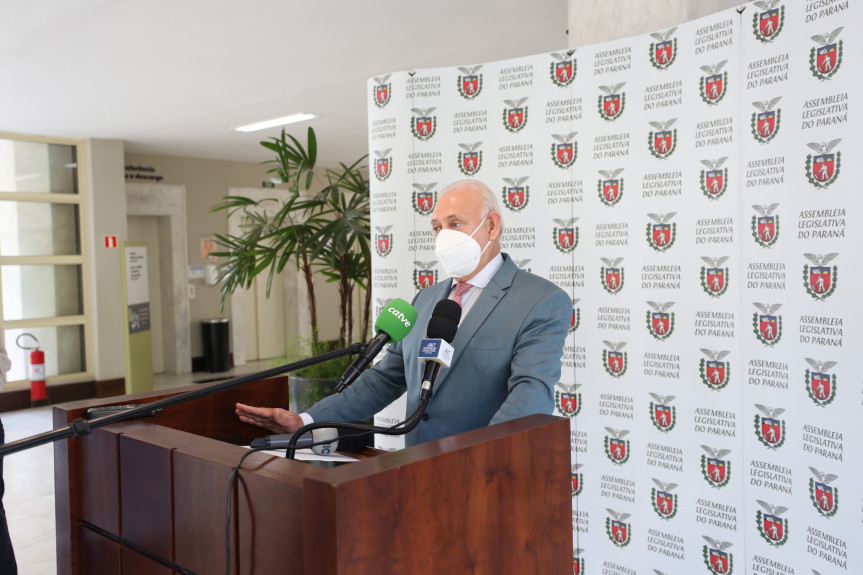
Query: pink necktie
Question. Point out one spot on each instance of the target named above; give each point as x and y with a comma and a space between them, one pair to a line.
460, 290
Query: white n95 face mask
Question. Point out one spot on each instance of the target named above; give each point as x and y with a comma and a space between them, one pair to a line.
458, 252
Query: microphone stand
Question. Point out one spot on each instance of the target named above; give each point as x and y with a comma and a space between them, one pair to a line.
408, 424
81, 427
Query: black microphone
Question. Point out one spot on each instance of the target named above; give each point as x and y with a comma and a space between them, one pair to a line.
392, 325
436, 350
341, 439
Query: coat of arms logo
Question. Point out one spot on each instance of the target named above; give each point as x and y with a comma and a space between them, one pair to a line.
611, 105
824, 61
660, 323
765, 122
613, 359
662, 232
820, 384
515, 115
565, 151
567, 401
383, 240
576, 481
716, 558
617, 529
383, 164
565, 235
714, 85
824, 496
663, 52
714, 180
663, 415
423, 124
470, 160
577, 562
714, 467
612, 275
765, 226
715, 373
617, 448
714, 277
822, 168
382, 91
425, 274
563, 68
819, 278
515, 193
663, 500
423, 199
575, 320
767, 325
772, 526
769, 429
663, 141
470, 83
767, 23
610, 187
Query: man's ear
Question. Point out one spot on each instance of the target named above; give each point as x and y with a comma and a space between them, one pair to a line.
494, 230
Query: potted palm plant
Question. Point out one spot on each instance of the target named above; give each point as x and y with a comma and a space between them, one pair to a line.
322, 228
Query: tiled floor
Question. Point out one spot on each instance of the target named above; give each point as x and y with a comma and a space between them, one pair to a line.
29, 477
29, 498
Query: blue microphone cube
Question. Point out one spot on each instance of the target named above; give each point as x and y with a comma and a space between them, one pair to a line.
436, 350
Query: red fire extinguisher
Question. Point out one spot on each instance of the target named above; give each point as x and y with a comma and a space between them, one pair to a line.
38, 389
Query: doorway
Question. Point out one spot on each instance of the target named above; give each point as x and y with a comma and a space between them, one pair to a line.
161, 213
145, 230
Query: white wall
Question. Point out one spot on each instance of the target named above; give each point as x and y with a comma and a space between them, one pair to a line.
595, 21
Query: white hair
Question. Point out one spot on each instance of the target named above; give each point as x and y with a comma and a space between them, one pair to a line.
489, 198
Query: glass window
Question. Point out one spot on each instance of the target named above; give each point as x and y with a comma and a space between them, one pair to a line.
39, 229
41, 291
63, 347
38, 167
43, 265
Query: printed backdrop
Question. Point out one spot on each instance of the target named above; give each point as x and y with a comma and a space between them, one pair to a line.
693, 191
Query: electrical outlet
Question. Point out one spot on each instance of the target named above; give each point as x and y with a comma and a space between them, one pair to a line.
191, 291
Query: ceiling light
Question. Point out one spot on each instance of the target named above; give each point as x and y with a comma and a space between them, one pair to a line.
293, 118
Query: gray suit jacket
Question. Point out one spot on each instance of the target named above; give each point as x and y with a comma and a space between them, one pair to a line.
506, 362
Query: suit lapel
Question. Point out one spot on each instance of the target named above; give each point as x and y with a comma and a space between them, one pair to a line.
489, 299
436, 293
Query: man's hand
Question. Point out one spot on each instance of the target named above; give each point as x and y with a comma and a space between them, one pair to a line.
274, 419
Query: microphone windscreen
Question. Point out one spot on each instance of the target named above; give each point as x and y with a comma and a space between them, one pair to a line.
397, 319
444, 320
328, 434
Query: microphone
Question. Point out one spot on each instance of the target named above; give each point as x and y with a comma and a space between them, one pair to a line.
435, 350
348, 439
392, 325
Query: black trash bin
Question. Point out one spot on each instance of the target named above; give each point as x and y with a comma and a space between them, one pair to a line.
216, 353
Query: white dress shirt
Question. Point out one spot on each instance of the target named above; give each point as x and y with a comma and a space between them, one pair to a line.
479, 281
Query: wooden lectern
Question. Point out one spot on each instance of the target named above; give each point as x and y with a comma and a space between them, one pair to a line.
149, 496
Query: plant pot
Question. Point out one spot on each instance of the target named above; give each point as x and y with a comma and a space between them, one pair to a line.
304, 392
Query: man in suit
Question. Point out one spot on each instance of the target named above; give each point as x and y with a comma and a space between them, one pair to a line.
507, 348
